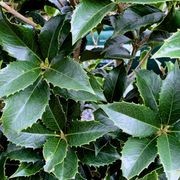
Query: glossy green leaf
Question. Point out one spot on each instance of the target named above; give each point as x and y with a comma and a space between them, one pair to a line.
24, 155
114, 84
83, 132
68, 168
168, 149
170, 48
26, 107
68, 74
135, 17
137, 154
83, 95
2, 166
54, 152
136, 120
33, 137
54, 117
17, 76
48, 37
101, 116
27, 169
18, 41
169, 105
143, 1
107, 155
149, 86
87, 15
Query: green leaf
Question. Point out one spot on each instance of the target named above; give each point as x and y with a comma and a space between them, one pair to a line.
137, 154
143, 1
68, 74
18, 41
170, 48
114, 84
54, 117
100, 116
68, 168
135, 17
17, 76
168, 149
2, 166
27, 169
151, 176
26, 107
54, 152
48, 37
106, 156
87, 15
33, 137
136, 120
83, 95
24, 155
83, 132
169, 105
149, 86
176, 129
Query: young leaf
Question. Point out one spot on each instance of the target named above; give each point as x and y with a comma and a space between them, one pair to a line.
2, 166
106, 156
68, 168
168, 149
26, 107
17, 76
136, 120
24, 155
137, 154
68, 74
114, 84
170, 48
149, 85
54, 152
169, 105
88, 14
83, 132
54, 117
48, 37
27, 169
17, 41
33, 137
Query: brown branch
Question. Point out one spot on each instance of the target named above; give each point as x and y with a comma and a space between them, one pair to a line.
16, 14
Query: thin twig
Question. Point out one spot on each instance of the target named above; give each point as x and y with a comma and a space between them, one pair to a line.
61, 4
133, 54
108, 64
140, 63
16, 14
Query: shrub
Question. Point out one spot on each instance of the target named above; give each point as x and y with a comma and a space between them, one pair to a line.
66, 113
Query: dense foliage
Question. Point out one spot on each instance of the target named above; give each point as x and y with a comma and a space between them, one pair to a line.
66, 114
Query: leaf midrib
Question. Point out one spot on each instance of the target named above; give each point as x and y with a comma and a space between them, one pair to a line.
77, 82
22, 108
141, 154
134, 120
5, 84
54, 118
92, 17
25, 45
